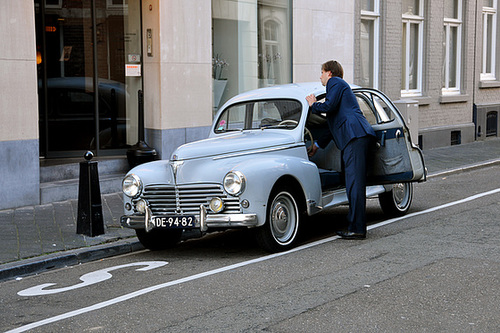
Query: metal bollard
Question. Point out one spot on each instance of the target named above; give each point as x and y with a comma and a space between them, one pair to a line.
141, 152
90, 220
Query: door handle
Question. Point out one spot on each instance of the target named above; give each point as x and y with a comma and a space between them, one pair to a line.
398, 135
382, 139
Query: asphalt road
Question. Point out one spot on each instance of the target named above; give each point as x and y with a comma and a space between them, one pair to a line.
437, 269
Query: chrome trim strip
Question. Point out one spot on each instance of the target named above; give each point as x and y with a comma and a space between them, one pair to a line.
232, 220
258, 151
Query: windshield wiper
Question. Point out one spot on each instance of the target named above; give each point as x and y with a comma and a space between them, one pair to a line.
279, 126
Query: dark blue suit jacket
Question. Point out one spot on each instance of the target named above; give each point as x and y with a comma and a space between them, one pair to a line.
344, 117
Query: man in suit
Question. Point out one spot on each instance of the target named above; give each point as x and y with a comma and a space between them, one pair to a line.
353, 135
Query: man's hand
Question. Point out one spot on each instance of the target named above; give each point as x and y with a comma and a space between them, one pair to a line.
312, 150
311, 99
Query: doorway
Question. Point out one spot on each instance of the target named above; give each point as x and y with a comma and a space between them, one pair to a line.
89, 74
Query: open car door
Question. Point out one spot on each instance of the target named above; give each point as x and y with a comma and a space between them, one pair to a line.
395, 158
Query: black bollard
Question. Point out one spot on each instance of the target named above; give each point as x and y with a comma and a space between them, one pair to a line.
90, 220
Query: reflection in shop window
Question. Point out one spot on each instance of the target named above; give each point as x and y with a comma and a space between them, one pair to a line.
71, 62
117, 4
53, 3
270, 58
254, 39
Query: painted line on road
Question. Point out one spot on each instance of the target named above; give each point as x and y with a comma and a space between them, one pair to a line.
232, 267
430, 210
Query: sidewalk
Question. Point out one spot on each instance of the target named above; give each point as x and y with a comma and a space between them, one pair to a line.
37, 238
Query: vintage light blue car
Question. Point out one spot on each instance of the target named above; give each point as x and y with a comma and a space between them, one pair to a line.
253, 171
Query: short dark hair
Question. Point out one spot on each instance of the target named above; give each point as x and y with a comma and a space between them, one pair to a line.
334, 67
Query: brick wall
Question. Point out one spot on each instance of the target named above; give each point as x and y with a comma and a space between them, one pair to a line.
437, 112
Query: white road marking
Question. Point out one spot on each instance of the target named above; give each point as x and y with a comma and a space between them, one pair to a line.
89, 279
230, 267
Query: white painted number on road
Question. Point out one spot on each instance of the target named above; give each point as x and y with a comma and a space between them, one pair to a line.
88, 279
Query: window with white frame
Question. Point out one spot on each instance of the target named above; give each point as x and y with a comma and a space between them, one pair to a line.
452, 55
119, 4
369, 43
53, 4
489, 39
412, 47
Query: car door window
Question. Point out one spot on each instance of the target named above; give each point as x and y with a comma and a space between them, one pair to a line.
364, 105
383, 110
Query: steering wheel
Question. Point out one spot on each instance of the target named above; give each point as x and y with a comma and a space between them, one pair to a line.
288, 121
307, 132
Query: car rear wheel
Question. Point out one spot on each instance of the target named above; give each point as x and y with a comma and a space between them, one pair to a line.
397, 201
159, 239
279, 233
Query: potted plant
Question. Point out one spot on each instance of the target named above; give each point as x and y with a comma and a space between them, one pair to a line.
219, 83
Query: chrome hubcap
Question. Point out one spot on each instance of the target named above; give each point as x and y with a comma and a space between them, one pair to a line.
283, 218
400, 193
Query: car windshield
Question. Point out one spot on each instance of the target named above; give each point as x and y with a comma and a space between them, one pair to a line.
279, 113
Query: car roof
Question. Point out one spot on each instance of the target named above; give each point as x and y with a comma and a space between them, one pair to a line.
292, 90
82, 83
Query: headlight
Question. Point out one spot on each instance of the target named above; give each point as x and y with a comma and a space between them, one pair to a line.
132, 186
234, 183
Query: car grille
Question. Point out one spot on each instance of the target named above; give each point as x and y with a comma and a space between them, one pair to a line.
186, 199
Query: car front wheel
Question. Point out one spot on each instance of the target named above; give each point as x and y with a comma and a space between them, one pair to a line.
279, 233
397, 201
159, 239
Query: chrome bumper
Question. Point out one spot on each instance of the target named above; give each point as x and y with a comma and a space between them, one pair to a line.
203, 221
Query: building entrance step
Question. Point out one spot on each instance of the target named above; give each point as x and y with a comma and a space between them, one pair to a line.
59, 182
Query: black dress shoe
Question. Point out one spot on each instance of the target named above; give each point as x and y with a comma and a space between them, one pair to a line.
350, 235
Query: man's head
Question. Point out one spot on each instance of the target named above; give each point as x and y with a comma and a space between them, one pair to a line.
330, 69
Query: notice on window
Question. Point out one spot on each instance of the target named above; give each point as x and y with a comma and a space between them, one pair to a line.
132, 70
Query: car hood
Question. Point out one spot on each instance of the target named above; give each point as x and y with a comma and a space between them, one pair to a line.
233, 143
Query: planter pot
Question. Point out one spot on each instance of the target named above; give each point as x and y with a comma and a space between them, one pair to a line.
219, 87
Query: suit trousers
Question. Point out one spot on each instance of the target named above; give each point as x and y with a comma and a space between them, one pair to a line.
355, 158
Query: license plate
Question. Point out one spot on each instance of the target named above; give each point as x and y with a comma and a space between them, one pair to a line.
183, 222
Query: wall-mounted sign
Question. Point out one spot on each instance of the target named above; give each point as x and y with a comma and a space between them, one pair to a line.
132, 70
134, 58
149, 42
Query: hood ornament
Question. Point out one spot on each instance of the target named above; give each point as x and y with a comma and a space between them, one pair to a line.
175, 165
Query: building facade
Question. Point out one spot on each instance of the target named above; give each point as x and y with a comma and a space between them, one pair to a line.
74, 71
443, 55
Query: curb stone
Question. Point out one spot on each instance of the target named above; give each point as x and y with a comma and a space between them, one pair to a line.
464, 168
68, 258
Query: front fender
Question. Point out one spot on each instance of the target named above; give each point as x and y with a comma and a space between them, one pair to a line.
264, 172
154, 172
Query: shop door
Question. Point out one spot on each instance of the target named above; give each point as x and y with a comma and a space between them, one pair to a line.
87, 98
